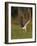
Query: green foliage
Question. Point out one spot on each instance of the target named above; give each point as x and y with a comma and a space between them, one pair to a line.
18, 33
16, 30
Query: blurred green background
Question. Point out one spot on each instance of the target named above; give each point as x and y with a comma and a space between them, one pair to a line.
16, 30
18, 33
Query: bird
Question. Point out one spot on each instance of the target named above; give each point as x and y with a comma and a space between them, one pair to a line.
25, 26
